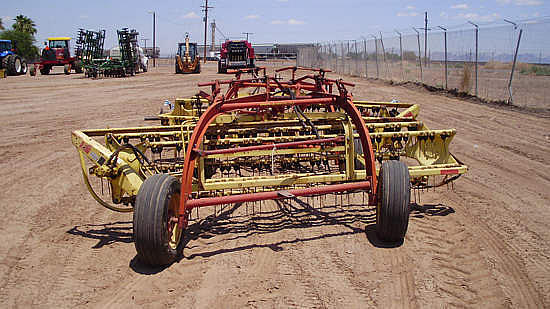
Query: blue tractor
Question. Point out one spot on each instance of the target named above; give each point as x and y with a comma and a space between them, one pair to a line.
9, 59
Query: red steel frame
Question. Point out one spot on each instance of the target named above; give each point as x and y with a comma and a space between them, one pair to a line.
262, 103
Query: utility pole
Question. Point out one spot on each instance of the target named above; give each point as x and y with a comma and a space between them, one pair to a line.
154, 37
213, 29
247, 33
205, 9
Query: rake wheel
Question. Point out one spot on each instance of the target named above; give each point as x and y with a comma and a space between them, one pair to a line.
157, 237
392, 211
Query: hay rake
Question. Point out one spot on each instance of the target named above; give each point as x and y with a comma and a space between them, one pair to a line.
262, 138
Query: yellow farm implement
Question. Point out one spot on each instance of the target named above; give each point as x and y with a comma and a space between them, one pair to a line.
261, 138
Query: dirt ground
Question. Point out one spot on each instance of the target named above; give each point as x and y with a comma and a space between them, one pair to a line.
484, 244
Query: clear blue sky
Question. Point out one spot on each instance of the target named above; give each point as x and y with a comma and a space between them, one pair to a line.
281, 21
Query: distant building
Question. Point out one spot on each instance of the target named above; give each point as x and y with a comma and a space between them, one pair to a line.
263, 51
149, 52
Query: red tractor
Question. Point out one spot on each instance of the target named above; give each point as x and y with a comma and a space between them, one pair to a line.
236, 55
56, 53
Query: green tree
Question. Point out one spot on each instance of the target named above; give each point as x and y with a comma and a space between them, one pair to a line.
1, 26
25, 43
24, 24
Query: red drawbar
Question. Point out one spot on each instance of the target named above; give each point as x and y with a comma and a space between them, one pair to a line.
271, 195
449, 172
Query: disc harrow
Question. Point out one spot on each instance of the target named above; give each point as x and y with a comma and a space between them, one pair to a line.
252, 139
90, 51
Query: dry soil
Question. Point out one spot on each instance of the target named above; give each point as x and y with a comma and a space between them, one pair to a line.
484, 243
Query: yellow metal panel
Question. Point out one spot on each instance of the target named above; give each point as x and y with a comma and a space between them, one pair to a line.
60, 38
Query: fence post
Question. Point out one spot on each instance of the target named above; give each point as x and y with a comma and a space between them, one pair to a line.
348, 60
511, 99
401, 53
419, 53
376, 56
384, 54
343, 71
477, 31
445, 39
366, 58
355, 57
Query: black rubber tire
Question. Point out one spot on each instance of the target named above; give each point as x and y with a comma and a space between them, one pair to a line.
24, 68
32, 70
67, 69
151, 214
9, 64
198, 68
392, 211
77, 65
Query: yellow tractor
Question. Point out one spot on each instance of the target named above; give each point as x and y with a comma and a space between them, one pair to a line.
187, 59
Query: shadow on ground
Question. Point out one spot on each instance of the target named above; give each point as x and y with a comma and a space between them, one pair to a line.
289, 214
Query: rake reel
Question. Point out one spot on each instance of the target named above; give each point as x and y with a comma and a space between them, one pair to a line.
261, 138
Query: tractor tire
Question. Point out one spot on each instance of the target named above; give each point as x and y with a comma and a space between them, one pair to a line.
67, 69
392, 210
16, 65
178, 71
198, 69
9, 64
5, 63
156, 236
219, 67
24, 68
32, 70
77, 65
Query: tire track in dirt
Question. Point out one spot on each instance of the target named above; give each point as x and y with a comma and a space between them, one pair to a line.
461, 275
507, 264
320, 263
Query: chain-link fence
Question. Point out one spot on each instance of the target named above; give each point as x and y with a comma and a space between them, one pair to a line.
475, 59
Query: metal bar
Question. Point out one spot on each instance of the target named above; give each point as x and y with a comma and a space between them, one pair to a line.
254, 197
234, 106
271, 146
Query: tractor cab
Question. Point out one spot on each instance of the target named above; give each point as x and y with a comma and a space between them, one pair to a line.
187, 56
57, 49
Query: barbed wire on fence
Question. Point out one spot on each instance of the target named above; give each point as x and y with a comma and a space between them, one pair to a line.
477, 59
